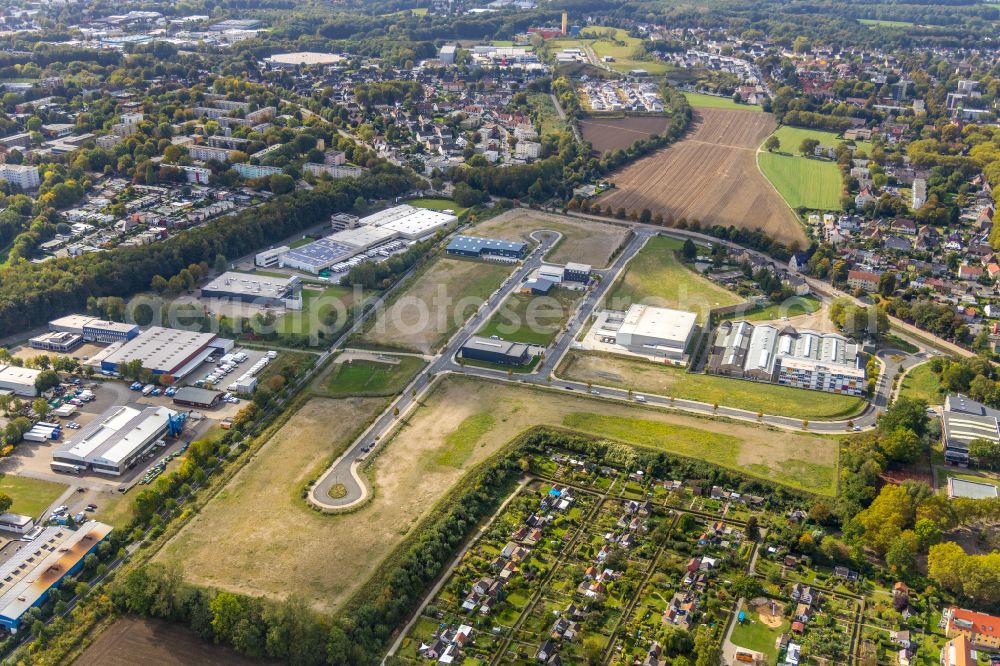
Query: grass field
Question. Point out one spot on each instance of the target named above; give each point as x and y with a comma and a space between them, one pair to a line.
362, 377
437, 300
886, 24
274, 545
31, 496
703, 101
801, 305
805, 182
462, 404
585, 241
533, 319
656, 276
656, 378
757, 636
437, 204
317, 306
922, 383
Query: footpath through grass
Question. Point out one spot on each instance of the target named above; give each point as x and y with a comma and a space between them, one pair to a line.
362, 377
655, 378
656, 276
922, 383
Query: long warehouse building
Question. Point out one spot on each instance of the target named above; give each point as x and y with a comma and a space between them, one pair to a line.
166, 351
27, 578
112, 442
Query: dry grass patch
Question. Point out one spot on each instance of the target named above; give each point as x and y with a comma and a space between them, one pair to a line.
436, 302
585, 241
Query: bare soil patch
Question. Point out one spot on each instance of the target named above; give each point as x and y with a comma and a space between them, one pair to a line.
712, 176
606, 134
770, 612
132, 641
585, 241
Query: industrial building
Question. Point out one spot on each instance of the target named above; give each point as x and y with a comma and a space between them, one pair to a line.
659, 332
317, 256
493, 350
16, 523
409, 222
258, 289
33, 571
474, 246
801, 358
963, 420
362, 238
304, 58
92, 329
56, 341
575, 272
192, 396
18, 380
166, 351
115, 440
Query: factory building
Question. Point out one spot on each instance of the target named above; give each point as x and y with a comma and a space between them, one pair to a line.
19, 381
92, 329
192, 396
409, 222
258, 289
111, 443
801, 358
317, 256
474, 246
166, 351
492, 350
659, 332
575, 272
37, 567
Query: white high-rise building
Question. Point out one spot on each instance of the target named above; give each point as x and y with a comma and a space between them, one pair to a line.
24, 176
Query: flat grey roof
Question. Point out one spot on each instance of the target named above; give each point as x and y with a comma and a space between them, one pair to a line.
970, 489
162, 348
477, 244
251, 284
196, 395
505, 347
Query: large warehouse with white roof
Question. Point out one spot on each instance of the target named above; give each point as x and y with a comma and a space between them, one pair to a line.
166, 351
659, 332
116, 439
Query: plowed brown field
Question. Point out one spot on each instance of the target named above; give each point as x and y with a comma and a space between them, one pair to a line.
606, 134
711, 175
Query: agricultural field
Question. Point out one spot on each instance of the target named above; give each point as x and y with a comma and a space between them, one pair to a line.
585, 241
132, 640
711, 176
437, 300
30, 496
703, 101
533, 319
923, 383
376, 376
606, 134
656, 276
475, 415
275, 544
656, 378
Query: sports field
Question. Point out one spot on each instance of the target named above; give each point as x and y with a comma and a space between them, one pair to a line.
803, 182
656, 378
533, 319
584, 241
437, 300
703, 101
656, 276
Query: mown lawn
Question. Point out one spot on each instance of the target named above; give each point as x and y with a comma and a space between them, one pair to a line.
923, 383
800, 305
656, 276
806, 182
757, 636
655, 378
368, 378
322, 310
703, 101
31, 496
437, 204
532, 319
790, 138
